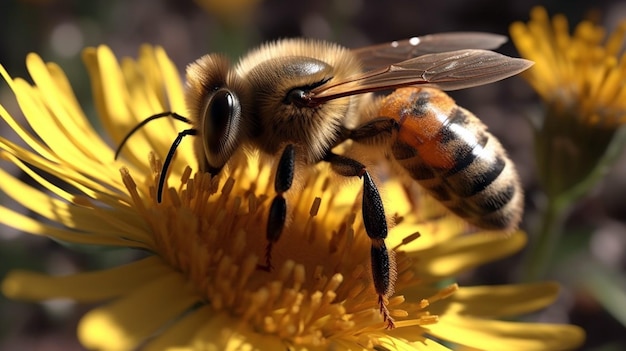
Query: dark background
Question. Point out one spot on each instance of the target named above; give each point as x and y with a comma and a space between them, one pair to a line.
58, 30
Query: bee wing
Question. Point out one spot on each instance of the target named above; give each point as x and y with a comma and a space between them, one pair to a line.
446, 71
382, 55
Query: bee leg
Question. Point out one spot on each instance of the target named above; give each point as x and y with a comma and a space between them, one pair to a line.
376, 131
278, 208
375, 223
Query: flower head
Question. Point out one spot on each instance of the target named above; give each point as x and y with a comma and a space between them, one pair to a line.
580, 78
230, 11
199, 287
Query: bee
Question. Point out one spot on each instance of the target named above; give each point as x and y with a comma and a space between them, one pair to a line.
297, 99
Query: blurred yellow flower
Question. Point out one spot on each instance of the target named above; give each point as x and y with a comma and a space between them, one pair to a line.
199, 288
231, 10
580, 77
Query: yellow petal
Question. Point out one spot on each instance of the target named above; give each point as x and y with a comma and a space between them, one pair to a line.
85, 184
490, 335
111, 100
43, 112
126, 103
125, 323
67, 131
174, 85
427, 345
466, 252
33, 142
176, 97
84, 287
43, 181
498, 301
32, 226
181, 333
226, 334
80, 218
397, 344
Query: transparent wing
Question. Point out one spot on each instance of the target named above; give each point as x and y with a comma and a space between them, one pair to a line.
382, 55
446, 71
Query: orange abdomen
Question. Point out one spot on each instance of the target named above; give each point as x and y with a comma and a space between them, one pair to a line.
451, 154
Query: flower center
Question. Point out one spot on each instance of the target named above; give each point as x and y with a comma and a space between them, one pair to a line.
213, 232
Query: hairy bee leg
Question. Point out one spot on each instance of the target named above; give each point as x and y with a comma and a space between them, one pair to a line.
375, 223
375, 131
278, 209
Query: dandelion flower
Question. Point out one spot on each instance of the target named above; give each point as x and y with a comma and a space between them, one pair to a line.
229, 10
199, 287
580, 77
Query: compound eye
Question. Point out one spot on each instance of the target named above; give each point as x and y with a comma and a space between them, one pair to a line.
220, 126
296, 96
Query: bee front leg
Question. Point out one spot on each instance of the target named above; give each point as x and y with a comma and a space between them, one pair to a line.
375, 223
278, 208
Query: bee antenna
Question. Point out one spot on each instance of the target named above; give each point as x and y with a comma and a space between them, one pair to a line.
170, 156
174, 115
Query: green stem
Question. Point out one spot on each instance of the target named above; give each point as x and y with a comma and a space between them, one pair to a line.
546, 240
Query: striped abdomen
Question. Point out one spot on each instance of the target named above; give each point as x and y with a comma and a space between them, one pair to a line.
451, 154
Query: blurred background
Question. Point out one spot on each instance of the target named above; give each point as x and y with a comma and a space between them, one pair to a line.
58, 30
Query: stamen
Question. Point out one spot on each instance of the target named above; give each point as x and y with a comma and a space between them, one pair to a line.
299, 277
258, 300
396, 300
397, 313
407, 240
173, 197
131, 186
210, 184
238, 244
184, 178
319, 278
155, 164
422, 320
81, 200
444, 293
225, 193
247, 268
310, 226
334, 283
286, 270
252, 203
221, 234
315, 206
356, 290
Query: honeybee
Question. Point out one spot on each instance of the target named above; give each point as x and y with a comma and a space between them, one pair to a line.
297, 99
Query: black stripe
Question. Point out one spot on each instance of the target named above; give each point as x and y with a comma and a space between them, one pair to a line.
418, 170
498, 221
464, 157
497, 201
461, 210
457, 116
421, 102
439, 192
467, 185
402, 151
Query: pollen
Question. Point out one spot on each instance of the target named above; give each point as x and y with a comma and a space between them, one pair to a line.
212, 231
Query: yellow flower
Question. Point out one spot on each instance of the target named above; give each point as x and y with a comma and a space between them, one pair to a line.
580, 78
199, 287
230, 11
